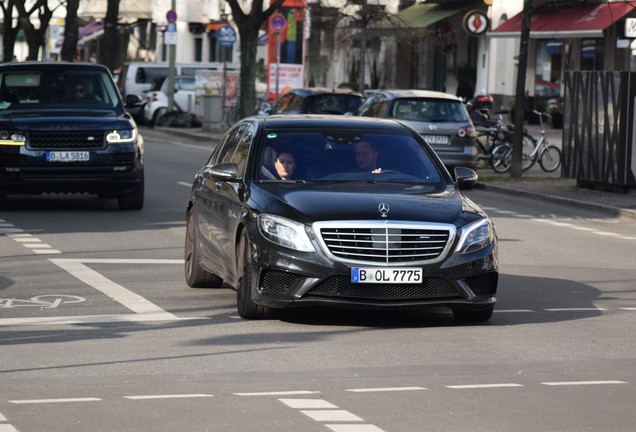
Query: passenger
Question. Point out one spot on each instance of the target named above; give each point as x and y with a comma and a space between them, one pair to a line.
285, 165
367, 157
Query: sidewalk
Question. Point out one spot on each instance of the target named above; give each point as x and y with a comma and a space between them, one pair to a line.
534, 183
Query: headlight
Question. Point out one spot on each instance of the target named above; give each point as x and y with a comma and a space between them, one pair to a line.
12, 138
475, 236
121, 136
285, 232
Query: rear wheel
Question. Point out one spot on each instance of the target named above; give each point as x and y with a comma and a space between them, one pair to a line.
157, 115
196, 277
246, 307
550, 159
473, 315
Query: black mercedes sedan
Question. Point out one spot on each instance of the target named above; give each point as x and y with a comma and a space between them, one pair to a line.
299, 210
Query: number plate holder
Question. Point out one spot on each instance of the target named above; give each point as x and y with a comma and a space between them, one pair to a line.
67, 156
436, 139
384, 275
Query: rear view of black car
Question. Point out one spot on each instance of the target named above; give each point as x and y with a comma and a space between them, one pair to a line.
63, 129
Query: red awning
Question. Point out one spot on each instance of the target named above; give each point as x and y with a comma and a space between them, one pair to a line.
566, 21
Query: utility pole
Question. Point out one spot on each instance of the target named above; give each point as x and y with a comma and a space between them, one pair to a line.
520, 97
171, 60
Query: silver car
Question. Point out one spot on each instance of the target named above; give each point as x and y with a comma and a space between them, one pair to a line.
440, 118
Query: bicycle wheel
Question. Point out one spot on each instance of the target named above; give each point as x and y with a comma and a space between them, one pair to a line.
528, 157
550, 159
501, 158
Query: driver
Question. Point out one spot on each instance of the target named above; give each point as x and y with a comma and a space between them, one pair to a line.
367, 157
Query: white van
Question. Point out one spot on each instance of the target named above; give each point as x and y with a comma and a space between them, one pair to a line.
137, 77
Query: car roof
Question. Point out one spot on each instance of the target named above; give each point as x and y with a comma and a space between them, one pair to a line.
326, 121
310, 91
415, 93
26, 65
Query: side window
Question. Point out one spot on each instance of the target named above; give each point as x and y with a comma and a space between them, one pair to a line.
227, 153
283, 104
376, 107
366, 107
243, 148
225, 146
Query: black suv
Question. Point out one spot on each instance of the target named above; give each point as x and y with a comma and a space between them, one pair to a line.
64, 129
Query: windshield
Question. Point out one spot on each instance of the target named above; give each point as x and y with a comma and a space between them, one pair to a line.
429, 110
23, 90
345, 156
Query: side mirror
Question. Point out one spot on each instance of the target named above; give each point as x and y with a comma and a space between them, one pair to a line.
465, 178
133, 101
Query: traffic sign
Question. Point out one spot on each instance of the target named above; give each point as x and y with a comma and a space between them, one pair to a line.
278, 23
226, 35
171, 16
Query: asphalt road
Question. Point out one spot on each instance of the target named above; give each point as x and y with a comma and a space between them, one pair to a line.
99, 332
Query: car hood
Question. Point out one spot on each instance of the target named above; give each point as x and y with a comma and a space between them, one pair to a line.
106, 120
311, 202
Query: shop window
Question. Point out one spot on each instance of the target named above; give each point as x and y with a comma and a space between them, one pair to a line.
592, 53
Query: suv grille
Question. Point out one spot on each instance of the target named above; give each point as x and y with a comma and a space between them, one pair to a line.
66, 139
386, 243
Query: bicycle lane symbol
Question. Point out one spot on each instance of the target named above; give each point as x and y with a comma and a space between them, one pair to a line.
47, 301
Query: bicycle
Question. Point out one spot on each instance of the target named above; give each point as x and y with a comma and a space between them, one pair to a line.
548, 155
494, 141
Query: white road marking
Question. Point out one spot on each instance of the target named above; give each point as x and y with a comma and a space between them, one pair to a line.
354, 428
307, 403
46, 401
385, 389
89, 319
331, 415
514, 310
577, 383
576, 309
7, 428
26, 238
46, 251
278, 393
185, 184
132, 301
483, 386
169, 396
2, 418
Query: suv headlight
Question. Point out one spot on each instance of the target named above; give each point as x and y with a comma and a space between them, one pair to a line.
121, 136
475, 236
285, 232
12, 138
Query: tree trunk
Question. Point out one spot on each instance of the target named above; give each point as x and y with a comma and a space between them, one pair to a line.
71, 31
110, 47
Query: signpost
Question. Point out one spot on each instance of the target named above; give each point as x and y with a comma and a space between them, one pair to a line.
226, 37
278, 24
170, 37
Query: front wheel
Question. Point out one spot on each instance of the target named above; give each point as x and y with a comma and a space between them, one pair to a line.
550, 159
246, 307
501, 158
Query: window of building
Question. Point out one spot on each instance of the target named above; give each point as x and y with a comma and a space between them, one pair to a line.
592, 53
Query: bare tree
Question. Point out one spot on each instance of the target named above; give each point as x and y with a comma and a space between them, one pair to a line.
71, 31
248, 26
35, 37
9, 33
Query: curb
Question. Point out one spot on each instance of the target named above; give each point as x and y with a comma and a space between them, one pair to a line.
614, 211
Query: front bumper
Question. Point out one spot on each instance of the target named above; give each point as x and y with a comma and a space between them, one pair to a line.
287, 278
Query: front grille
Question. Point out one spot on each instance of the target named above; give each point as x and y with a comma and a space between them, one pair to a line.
387, 243
483, 284
342, 287
85, 139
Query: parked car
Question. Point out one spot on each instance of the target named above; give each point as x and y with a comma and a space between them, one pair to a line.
441, 118
136, 77
64, 129
184, 97
318, 101
393, 233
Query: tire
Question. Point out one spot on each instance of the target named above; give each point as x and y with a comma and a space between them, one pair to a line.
550, 159
157, 115
246, 307
473, 315
528, 146
195, 275
133, 200
501, 159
